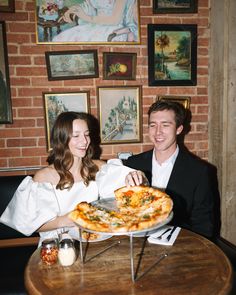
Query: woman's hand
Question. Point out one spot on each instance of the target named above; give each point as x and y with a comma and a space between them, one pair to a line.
136, 177
70, 14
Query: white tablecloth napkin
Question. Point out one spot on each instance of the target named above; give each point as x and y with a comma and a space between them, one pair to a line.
163, 241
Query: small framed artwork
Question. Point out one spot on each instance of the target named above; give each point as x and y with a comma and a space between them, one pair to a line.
87, 22
120, 114
59, 102
68, 65
172, 55
184, 100
119, 66
176, 6
5, 90
7, 5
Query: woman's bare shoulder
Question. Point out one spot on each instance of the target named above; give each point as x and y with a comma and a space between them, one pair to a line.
99, 163
47, 174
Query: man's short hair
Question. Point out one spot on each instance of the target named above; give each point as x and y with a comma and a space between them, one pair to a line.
176, 107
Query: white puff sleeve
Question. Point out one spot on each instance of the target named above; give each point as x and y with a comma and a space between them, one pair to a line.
111, 177
32, 205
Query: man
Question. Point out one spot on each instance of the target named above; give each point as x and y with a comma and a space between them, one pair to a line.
183, 176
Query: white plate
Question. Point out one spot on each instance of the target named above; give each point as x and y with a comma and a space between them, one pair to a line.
101, 237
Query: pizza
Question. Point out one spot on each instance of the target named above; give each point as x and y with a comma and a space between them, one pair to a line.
139, 208
89, 236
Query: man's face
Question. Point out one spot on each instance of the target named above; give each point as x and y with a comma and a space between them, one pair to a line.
163, 131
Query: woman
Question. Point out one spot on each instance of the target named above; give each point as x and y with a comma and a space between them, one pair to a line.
43, 202
99, 19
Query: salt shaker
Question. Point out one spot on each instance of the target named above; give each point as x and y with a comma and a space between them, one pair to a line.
49, 251
67, 252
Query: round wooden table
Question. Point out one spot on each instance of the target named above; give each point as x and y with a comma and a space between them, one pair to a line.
193, 265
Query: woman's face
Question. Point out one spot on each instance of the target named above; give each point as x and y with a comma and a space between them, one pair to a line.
80, 139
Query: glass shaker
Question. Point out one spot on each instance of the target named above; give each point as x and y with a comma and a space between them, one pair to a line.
49, 251
66, 252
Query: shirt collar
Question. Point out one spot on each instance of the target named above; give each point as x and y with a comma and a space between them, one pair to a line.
171, 159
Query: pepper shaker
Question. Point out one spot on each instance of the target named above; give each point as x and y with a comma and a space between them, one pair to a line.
49, 251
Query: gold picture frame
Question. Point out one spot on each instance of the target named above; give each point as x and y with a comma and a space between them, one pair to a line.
184, 100
120, 114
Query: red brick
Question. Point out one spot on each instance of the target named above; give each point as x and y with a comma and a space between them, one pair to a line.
20, 60
8, 133
18, 38
36, 151
30, 71
20, 81
19, 123
2, 143
29, 132
25, 27
24, 162
21, 142
10, 153
28, 112
3, 164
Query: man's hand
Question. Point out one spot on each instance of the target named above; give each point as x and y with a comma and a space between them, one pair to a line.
136, 177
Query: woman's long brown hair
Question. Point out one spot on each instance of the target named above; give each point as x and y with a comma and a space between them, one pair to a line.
60, 155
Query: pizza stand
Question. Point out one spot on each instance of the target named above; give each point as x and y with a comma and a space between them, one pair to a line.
110, 204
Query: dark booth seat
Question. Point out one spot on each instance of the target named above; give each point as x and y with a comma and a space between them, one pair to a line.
15, 248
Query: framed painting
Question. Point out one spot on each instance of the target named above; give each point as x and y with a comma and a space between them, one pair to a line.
172, 55
184, 100
175, 6
120, 114
119, 66
68, 65
7, 5
87, 22
58, 102
5, 90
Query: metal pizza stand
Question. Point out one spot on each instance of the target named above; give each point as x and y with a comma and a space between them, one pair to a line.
110, 204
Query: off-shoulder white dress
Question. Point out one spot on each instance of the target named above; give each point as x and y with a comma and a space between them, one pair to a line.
34, 203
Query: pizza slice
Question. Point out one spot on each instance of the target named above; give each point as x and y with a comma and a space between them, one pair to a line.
139, 198
97, 219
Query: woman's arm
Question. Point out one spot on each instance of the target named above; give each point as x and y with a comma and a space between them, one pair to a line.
103, 19
58, 222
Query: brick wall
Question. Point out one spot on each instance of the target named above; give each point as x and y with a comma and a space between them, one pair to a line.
23, 143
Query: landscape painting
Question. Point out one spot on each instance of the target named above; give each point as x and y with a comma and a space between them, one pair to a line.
120, 114
57, 103
73, 64
172, 54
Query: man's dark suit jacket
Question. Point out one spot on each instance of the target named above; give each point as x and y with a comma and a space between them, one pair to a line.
190, 188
